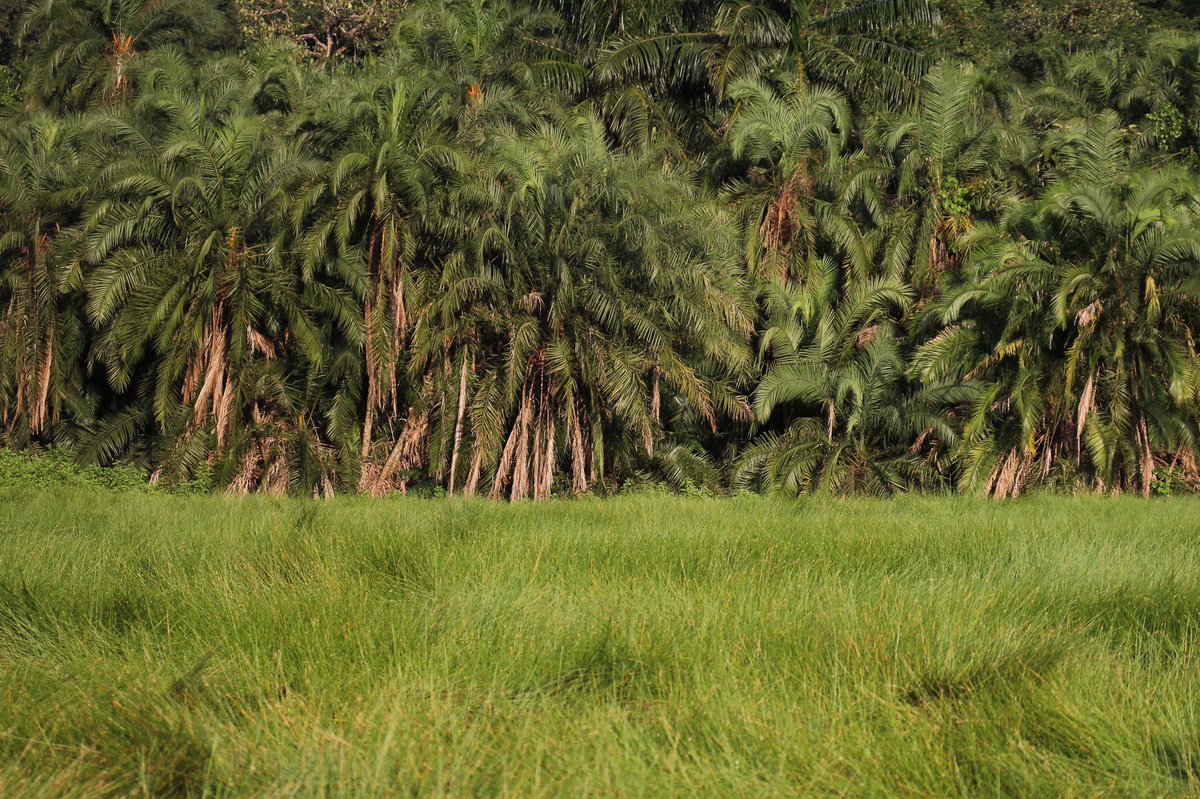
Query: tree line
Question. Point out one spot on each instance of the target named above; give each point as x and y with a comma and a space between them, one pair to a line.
522, 251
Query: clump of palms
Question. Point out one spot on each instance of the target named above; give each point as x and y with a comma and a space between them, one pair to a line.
936, 164
1079, 316
372, 213
840, 413
531, 249
601, 289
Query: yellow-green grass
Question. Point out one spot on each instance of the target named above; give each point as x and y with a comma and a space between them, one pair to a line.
640, 646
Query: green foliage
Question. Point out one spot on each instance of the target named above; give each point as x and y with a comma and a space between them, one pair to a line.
10, 13
1170, 481
954, 198
81, 52
56, 467
1073, 24
1166, 124
10, 87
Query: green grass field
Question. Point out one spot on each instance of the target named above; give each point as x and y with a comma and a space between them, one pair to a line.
640, 646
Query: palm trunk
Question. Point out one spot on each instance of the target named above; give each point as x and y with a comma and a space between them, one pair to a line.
546, 482
371, 355
37, 418
579, 481
473, 476
1145, 455
520, 481
458, 424
369, 419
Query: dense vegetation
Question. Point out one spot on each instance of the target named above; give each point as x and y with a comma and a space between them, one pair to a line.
212, 646
520, 250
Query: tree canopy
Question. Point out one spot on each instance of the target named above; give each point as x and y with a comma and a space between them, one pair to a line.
524, 250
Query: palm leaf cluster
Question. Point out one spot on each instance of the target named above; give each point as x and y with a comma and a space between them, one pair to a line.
528, 251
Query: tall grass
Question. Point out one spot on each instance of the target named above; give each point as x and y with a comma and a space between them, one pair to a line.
209, 646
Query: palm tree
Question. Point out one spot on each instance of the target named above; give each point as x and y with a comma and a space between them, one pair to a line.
41, 196
942, 160
495, 60
190, 284
791, 142
82, 51
392, 153
1163, 94
670, 78
1156, 91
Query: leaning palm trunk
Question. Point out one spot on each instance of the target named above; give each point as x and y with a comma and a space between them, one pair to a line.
265, 465
472, 484
513, 459
372, 391
579, 478
33, 384
408, 452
